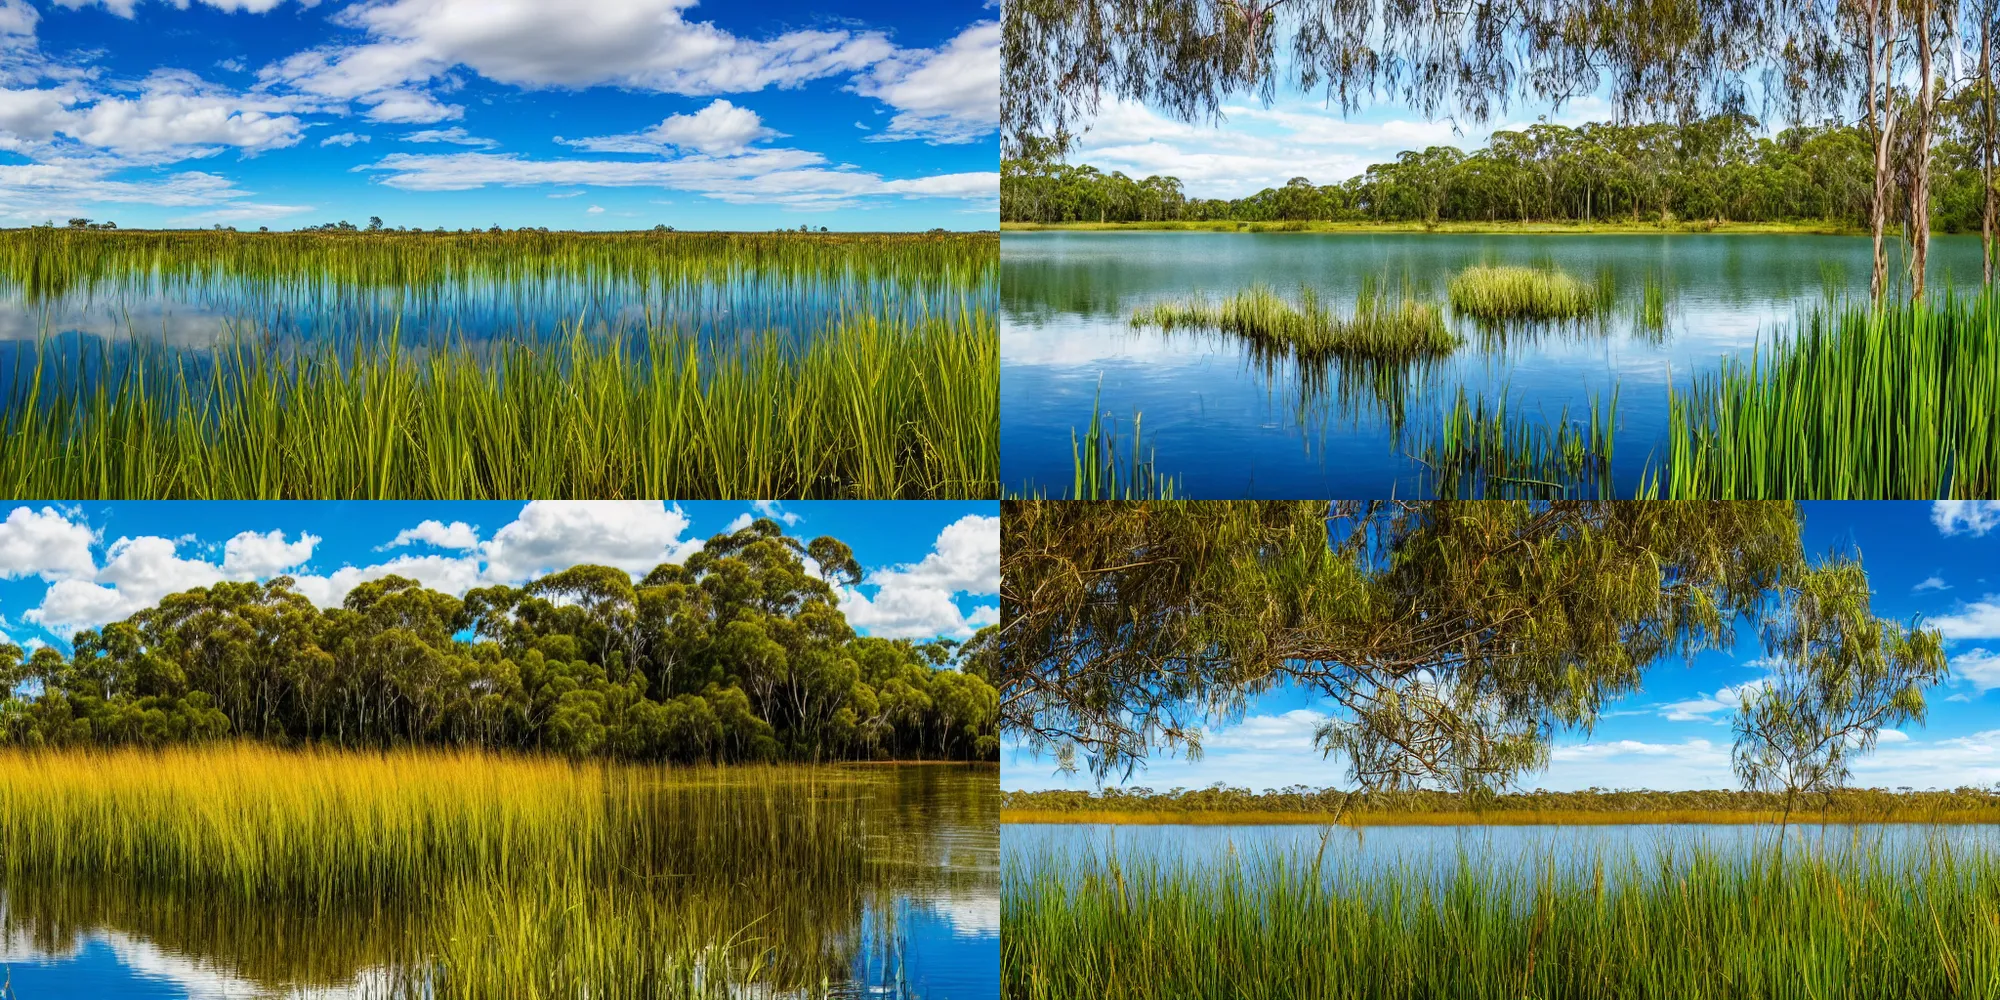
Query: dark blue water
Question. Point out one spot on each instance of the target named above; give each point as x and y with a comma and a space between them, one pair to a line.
1226, 423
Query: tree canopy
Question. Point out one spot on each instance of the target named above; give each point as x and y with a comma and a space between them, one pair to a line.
741, 653
1455, 636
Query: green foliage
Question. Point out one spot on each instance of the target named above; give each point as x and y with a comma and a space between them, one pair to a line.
1379, 328
1716, 169
739, 654
1854, 923
1477, 450
1502, 293
1463, 632
1856, 805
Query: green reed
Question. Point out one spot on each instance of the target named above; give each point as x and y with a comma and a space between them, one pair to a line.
452, 874
1477, 448
1849, 923
1653, 305
48, 263
1901, 402
874, 408
1381, 326
1499, 293
1096, 464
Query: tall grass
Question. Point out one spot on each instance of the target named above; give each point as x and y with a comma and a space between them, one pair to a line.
1381, 326
1477, 448
872, 409
500, 877
1851, 924
1490, 292
1860, 403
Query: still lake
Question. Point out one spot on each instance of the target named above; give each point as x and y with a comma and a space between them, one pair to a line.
1438, 849
926, 926
1225, 423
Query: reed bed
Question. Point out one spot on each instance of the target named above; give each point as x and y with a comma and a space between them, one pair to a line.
1381, 326
872, 409
48, 263
1860, 403
1493, 293
503, 877
1482, 449
1846, 924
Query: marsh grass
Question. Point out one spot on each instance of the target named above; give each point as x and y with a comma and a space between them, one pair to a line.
1486, 450
504, 877
1099, 472
1382, 325
1652, 310
1842, 924
1858, 403
871, 409
1495, 293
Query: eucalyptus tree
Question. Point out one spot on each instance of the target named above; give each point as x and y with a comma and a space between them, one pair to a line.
1839, 676
1454, 636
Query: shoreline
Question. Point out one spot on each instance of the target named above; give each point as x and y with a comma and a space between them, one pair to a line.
1455, 228
1495, 818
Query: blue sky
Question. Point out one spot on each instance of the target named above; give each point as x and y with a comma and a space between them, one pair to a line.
933, 567
580, 114
1941, 561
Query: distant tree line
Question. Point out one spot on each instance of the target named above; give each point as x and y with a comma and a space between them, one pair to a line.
738, 654
1718, 169
1902, 804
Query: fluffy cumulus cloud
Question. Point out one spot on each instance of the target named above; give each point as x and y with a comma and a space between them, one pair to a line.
639, 44
947, 95
721, 127
920, 600
456, 535
1977, 668
1968, 517
633, 535
45, 543
252, 555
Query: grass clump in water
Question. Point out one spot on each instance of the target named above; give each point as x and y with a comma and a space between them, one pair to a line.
1482, 450
1382, 326
1860, 403
1488, 292
1850, 924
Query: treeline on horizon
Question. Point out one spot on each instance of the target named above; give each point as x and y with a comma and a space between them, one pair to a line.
1848, 802
1716, 169
738, 654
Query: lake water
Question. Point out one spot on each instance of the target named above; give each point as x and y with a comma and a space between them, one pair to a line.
1438, 849
925, 928
1228, 424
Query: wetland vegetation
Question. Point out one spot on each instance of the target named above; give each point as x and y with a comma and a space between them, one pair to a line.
432, 365
1381, 326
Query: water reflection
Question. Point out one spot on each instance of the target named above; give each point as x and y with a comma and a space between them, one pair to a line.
866, 881
1225, 420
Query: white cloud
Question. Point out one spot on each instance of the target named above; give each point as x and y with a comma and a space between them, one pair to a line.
1892, 736
124, 8
250, 555
408, 107
456, 535
1974, 620
1930, 583
1971, 517
1702, 707
918, 600
594, 210
633, 535
343, 139
456, 135
449, 574
792, 177
45, 543
738, 523
640, 44
946, 95
1977, 667
721, 127
775, 511
137, 572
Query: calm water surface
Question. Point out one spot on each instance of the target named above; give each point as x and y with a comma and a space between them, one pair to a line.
933, 831
1439, 848
1228, 424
